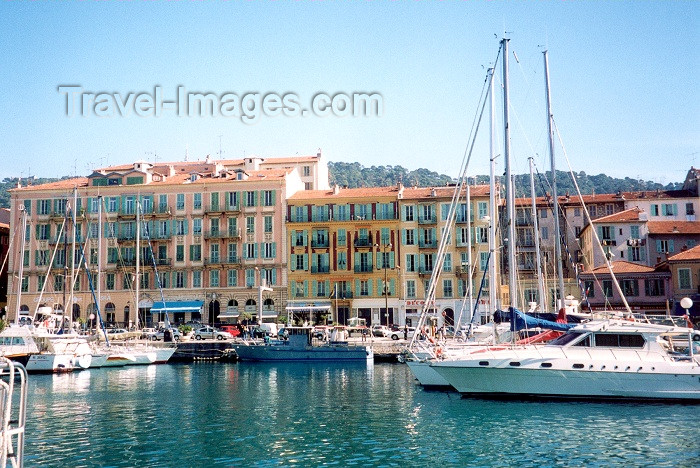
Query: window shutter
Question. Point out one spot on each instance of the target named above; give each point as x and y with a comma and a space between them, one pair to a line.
314, 288
369, 287
379, 260
670, 246
186, 222
274, 249
255, 250
314, 261
403, 237
306, 288
306, 238
293, 262
357, 288
392, 263
629, 253
255, 196
658, 246
643, 254
306, 262
274, 197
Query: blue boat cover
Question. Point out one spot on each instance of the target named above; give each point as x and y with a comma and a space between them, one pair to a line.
520, 321
177, 306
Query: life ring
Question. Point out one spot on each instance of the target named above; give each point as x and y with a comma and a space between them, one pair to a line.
438, 352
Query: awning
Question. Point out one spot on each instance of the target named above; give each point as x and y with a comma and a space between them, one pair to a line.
177, 306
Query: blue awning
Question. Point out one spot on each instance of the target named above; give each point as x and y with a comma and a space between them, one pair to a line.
177, 306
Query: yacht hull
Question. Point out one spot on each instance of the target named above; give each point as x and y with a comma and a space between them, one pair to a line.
426, 375
311, 353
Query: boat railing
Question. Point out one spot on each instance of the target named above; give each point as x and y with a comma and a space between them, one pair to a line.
13, 411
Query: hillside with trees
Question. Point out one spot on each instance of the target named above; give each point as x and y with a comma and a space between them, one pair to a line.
354, 175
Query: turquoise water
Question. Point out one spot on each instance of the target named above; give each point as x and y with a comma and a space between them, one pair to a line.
252, 414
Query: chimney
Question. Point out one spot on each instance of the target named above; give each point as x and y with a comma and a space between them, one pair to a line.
336, 189
433, 192
318, 153
400, 187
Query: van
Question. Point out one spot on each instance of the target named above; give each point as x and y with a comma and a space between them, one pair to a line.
269, 328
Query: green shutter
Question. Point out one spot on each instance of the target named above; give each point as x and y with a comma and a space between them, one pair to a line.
392, 287
658, 246
293, 262
306, 262
306, 238
357, 288
306, 288
256, 198
314, 289
670, 246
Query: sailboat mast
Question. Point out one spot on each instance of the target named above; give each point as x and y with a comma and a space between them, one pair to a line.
21, 261
99, 253
470, 285
492, 200
69, 306
536, 236
510, 198
138, 259
557, 241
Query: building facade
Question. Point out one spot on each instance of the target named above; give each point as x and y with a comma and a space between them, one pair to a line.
207, 237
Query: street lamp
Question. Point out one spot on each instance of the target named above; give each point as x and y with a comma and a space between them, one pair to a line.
384, 248
687, 303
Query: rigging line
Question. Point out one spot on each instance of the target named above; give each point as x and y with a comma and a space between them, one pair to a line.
9, 249
94, 296
48, 273
595, 234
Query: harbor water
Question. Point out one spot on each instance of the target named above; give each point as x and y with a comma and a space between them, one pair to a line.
253, 414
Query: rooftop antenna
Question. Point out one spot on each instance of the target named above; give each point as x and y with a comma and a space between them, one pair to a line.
155, 156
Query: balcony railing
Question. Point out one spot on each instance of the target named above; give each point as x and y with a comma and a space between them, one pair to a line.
431, 244
425, 271
319, 244
427, 220
320, 269
344, 295
222, 260
163, 210
126, 236
363, 268
363, 242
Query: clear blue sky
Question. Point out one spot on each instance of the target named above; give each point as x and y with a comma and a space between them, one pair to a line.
624, 80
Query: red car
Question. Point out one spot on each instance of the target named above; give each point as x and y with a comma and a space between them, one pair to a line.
234, 330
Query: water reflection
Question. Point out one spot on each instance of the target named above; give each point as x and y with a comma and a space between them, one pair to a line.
310, 414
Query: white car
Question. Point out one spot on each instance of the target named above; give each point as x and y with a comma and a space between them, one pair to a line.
380, 330
398, 333
210, 333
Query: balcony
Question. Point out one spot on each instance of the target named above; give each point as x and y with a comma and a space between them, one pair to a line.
56, 240
523, 221
127, 213
232, 260
343, 295
423, 271
462, 219
428, 244
363, 268
126, 236
636, 242
428, 220
161, 236
462, 271
162, 210
608, 242
363, 242
320, 269
319, 244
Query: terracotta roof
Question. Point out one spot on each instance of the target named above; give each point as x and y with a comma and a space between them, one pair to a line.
674, 227
573, 200
690, 254
58, 185
364, 192
622, 266
627, 216
225, 162
412, 193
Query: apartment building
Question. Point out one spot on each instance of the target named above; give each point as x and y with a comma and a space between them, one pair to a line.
4, 249
685, 274
208, 236
369, 252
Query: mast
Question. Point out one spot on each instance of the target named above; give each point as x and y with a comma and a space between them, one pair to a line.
138, 259
557, 242
492, 202
510, 204
469, 256
536, 235
99, 253
69, 306
21, 260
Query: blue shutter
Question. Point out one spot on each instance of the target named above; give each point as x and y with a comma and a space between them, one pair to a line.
629, 253
293, 262
643, 254
403, 237
186, 222
255, 250
306, 262
274, 249
306, 288
670, 245
357, 288
392, 262
658, 246
314, 289
369, 287
274, 276
314, 261
392, 287
306, 238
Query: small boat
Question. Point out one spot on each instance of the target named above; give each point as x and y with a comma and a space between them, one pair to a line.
614, 359
299, 347
36, 353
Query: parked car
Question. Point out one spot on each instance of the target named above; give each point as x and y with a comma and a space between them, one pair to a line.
159, 334
116, 331
397, 333
380, 330
147, 332
234, 330
321, 333
210, 333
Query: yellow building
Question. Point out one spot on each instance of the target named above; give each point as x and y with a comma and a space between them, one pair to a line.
369, 252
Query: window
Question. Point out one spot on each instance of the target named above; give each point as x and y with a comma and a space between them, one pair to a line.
654, 287
250, 277
669, 209
483, 210
180, 201
300, 262
232, 253
25, 284
689, 209
342, 213
342, 237
364, 288
307, 185
250, 224
44, 207
250, 198
410, 263
342, 261
197, 202
196, 279
40, 282
409, 213
545, 232
483, 260
180, 253
607, 288
634, 232
232, 278
43, 231
684, 281
634, 254
608, 233
145, 281
306, 171
577, 212
269, 198
664, 246
447, 288
214, 278
180, 279
654, 210
410, 288
630, 287
180, 227
269, 250
251, 250
197, 226
447, 263
268, 224
543, 213
321, 289
214, 253
58, 283
110, 281
410, 236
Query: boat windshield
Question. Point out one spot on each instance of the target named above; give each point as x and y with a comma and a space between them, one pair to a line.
565, 339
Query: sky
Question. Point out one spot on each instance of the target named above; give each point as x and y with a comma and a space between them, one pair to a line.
623, 74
